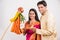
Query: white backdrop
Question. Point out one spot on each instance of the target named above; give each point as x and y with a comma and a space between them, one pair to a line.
8, 9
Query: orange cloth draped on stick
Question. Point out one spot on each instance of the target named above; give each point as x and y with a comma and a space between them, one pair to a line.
16, 26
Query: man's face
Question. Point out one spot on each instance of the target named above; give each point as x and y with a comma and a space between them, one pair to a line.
42, 8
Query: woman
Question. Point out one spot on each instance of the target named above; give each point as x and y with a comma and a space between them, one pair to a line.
32, 22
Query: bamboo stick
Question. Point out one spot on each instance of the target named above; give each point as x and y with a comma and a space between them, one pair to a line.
5, 32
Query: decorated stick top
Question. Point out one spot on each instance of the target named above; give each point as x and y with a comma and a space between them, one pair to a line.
20, 9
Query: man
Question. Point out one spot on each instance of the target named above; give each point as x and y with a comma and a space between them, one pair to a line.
47, 31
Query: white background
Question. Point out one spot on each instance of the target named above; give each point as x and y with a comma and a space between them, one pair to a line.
8, 9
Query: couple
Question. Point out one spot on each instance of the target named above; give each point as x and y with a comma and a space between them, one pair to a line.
43, 29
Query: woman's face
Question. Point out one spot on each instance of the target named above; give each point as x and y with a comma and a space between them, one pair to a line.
32, 15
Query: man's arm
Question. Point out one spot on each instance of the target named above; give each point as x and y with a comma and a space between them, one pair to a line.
50, 27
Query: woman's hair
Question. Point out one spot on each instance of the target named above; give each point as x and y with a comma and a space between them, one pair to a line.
36, 16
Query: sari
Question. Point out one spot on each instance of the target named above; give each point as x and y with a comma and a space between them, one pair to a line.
30, 35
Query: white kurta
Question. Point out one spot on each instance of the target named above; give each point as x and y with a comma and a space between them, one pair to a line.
48, 30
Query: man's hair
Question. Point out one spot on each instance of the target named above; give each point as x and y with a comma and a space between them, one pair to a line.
42, 2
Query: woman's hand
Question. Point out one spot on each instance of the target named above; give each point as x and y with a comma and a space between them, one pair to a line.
33, 29
24, 31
